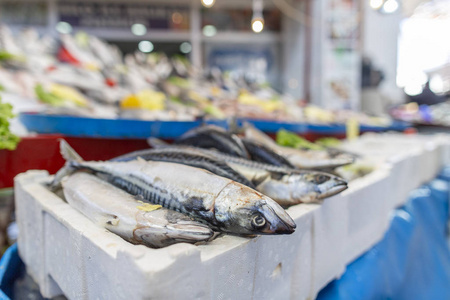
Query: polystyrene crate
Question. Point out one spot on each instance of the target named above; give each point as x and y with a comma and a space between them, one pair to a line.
368, 212
67, 254
329, 232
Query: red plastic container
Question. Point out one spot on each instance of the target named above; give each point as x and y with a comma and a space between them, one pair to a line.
41, 152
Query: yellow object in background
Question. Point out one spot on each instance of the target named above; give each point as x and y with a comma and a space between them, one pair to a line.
198, 98
266, 105
352, 127
68, 93
146, 99
315, 113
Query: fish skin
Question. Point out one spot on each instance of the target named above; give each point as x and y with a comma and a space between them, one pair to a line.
260, 153
188, 157
300, 158
223, 156
284, 185
210, 136
118, 212
302, 187
218, 201
298, 187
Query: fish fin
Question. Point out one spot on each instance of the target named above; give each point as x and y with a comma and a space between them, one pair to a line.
68, 153
55, 184
139, 158
241, 145
233, 125
156, 143
258, 180
139, 197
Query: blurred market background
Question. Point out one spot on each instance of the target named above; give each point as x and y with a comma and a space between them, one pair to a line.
101, 71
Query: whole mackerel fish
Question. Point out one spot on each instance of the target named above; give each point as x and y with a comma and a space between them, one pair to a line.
302, 187
284, 185
187, 157
211, 136
222, 203
134, 221
309, 159
157, 143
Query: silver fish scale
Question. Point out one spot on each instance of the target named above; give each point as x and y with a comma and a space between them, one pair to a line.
151, 193
184, 189
185, 156
250, 163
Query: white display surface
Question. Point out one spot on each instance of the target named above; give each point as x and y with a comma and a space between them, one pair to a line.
66, 253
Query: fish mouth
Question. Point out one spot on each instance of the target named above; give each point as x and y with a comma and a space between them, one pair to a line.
341, 186
283, 223
281, 228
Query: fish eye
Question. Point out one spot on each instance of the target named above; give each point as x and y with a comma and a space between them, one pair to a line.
320, 178
258, 221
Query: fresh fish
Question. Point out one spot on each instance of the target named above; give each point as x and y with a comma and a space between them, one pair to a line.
309, 159
222, 203
302, 187
299, 186
186, 156
156, 143
256, 176
134, 221
210, 136
261, 153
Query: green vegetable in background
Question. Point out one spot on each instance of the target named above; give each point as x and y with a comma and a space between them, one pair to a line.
7, 139
328, 142
178, 81
47, 97
6, 55
214, 111
290, 139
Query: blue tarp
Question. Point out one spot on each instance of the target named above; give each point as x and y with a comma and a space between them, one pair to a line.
413, 259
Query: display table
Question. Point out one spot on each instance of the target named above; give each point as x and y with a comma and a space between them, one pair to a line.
412, 261
65, 253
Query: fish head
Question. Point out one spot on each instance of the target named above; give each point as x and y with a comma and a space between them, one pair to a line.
324, 184
240, 209
165, 227
339, 158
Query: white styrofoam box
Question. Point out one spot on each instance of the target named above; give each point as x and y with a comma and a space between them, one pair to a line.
405, 176
417, 158
283, 265
431, 163
444, 141
66, 253
367, 204
329, 232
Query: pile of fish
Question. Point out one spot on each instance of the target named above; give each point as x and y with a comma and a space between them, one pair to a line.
436, 114
84, 76
209, 180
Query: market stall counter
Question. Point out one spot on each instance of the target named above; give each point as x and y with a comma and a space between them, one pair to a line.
67, 254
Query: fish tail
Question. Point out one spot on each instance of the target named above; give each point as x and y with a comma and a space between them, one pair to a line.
72, 158
68, 153
156, 143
